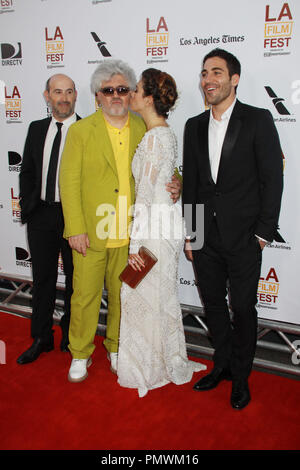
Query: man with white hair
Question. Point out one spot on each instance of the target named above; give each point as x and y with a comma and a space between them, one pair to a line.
97, 189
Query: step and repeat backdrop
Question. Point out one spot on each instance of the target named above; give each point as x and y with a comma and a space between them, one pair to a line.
39, 38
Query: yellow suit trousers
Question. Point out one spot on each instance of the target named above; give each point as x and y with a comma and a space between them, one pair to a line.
88, 281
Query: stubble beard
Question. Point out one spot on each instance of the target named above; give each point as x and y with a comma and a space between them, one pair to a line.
224, 93
63, 115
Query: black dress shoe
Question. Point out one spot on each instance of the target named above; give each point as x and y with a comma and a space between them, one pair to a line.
240, 395
38, 346
211, 380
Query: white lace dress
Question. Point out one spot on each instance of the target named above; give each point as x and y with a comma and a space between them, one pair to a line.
152, 349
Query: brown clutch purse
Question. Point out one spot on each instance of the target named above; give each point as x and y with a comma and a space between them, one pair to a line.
132, 277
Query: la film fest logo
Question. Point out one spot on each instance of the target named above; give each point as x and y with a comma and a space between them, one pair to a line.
15, 206
22, 257
278, 30
13, 104
6, 6
11, 54
157, 40
55, 48
268, 290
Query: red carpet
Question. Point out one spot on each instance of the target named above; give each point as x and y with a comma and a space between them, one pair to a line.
40, 409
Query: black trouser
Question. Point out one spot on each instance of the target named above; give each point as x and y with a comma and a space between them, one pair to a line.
216, 270
45, 239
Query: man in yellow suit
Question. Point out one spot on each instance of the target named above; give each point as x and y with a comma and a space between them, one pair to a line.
97, 189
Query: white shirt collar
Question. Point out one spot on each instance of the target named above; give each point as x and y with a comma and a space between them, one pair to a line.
67, 122
226, 115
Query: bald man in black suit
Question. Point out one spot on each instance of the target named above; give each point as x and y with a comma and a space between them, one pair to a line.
41, 210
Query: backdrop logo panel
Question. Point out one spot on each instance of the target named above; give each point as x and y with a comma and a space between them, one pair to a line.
15, 207
277, 102
14, 161
22, 257
11, 54
215, 41
264, 27
157, 40
279, 105
55, 48
278, 30
102, 48
6, 6
13, 105
268, 290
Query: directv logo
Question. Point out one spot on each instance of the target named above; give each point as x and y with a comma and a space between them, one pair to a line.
22, 257
11, 54
14, 161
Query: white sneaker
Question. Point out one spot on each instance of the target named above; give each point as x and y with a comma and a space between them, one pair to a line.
78, 369
113, 358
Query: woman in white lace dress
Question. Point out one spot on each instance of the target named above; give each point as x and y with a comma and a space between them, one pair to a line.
152, 349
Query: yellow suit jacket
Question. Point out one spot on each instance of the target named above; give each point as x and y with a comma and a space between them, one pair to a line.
88, 175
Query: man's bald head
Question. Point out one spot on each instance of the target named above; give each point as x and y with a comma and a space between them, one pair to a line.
61, 94
58, 76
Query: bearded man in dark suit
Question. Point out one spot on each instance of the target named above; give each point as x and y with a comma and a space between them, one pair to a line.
233, 167
41, 210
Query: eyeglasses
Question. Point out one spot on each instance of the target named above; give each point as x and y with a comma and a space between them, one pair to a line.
110, 91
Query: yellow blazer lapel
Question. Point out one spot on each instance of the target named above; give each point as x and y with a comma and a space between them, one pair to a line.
103, 140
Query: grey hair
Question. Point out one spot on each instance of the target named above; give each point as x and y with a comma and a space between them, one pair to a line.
107, 69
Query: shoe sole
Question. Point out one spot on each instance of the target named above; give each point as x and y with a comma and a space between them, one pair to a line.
80, 379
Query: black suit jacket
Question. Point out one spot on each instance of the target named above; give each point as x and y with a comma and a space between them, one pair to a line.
247, 195
32, 166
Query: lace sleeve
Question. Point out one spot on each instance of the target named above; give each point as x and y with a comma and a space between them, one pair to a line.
145, 190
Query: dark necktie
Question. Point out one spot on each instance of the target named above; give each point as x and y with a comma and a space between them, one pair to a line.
52, 169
